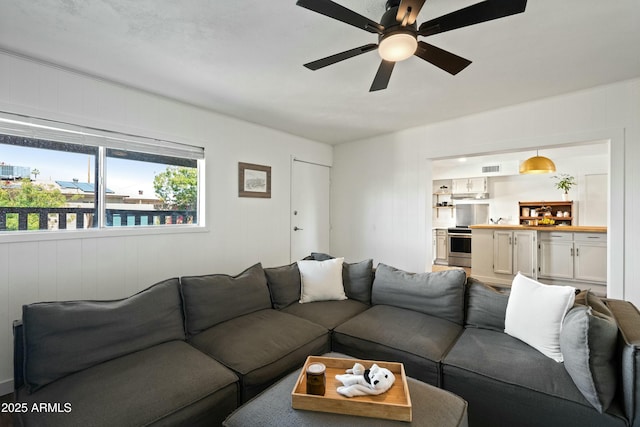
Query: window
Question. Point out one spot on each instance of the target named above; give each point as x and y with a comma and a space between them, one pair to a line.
151, 189
57, 176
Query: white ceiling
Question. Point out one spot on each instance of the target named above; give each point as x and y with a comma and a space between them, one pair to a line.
244, 58
446, 168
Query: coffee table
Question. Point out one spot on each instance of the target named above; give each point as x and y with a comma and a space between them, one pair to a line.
432, 407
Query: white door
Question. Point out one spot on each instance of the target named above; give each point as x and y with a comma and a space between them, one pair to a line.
310, 225
593, 209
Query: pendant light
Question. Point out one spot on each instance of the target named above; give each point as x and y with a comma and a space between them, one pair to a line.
537, 164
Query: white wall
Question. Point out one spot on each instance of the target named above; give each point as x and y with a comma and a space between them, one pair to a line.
381, 187
240, 231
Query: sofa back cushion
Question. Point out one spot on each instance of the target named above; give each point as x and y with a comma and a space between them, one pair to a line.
61, 338
284, 285
439, 294
486, 306
215, 298
588, 342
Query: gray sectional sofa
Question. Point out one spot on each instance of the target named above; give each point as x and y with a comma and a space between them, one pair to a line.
189, 351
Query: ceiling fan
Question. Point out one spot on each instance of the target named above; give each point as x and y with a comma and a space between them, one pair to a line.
398, 32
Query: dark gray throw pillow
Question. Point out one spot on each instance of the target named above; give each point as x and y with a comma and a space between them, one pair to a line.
588, 344
284, 285
486, 306
358, 280
319, 256
215, 298
439, 294
69, 336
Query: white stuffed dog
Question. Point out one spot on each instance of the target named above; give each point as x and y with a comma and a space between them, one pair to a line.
360, 382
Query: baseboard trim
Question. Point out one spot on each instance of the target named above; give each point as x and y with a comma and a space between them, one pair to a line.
6, 387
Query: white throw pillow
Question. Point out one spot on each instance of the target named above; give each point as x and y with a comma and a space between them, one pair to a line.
321, 280
535, 312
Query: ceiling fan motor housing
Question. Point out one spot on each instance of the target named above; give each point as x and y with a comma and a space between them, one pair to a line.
392, 26
390, 23
392, 3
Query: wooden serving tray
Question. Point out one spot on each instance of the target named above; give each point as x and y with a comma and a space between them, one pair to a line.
395, 404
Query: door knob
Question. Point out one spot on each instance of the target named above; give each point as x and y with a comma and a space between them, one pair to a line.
296, 228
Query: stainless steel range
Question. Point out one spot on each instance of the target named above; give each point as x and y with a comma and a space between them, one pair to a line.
459, 246
459, 237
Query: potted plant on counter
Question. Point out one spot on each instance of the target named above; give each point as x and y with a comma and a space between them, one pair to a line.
564, 182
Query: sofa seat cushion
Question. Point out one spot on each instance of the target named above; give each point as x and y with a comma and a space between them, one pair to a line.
504, 358
327, 313
168, 384
384, 332
508, 383
262, 346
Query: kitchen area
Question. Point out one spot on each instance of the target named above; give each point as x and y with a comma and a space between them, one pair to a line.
495, 222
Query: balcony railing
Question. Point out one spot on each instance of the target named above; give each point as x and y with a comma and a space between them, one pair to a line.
82, 218
124, 217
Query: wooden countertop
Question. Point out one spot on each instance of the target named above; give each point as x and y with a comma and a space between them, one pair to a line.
569, 228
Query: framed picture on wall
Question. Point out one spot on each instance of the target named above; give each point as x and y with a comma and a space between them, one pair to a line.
254, 180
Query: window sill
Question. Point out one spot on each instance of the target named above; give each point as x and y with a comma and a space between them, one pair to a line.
36, 236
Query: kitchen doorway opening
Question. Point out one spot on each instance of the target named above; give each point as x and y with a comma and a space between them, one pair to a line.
589, 162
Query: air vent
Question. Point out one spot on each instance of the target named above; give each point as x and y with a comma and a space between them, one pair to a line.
491, 169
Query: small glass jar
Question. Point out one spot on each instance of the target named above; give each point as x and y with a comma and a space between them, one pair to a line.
316, 379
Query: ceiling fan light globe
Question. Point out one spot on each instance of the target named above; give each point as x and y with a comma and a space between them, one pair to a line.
397, 47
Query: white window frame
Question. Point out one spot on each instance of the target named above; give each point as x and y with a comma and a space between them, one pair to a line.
56, 131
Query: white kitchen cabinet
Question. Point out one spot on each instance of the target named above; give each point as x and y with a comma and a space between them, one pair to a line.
441, 246
478, 185
573, 256
525, 253
469, 185
556, 259
590, 257
514, 251
459, 186
503, 252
